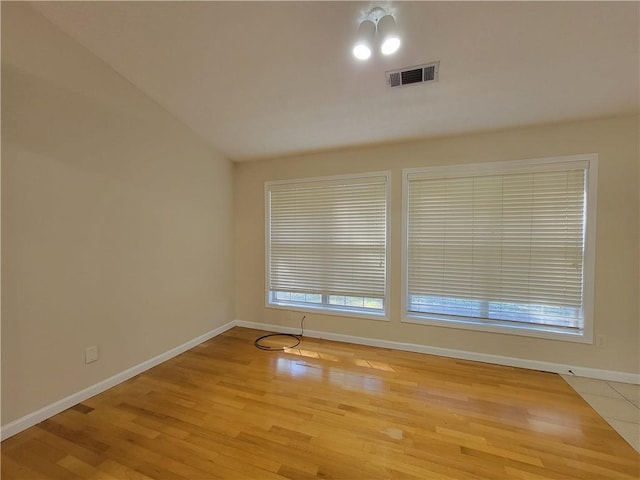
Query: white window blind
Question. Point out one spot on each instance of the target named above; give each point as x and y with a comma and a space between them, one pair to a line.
327, 240
503, 246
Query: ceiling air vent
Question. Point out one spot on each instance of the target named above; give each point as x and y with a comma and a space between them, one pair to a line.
419, 74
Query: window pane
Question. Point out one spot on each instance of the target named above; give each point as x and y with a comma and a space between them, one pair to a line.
283, 296
375, 303
298, 297
338, 302
313, 298
354, 301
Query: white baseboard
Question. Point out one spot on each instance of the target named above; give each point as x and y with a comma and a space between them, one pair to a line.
611, 375
52, 409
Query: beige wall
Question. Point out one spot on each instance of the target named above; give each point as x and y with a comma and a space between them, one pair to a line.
117, 221
617, 249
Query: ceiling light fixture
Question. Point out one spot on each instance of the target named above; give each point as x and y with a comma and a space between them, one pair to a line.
364, 42
389, 39
376, 19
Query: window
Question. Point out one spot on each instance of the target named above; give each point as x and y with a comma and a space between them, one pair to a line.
502, 246
326, 242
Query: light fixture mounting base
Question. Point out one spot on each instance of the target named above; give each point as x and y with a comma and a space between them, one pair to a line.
376, 13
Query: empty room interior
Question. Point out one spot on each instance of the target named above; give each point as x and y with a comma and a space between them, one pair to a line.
347, 240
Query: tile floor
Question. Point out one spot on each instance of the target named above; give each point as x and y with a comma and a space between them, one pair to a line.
618, 403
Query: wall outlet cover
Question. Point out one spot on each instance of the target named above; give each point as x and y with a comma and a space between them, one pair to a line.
90, 354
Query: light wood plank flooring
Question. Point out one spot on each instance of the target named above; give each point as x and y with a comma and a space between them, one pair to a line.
324, 410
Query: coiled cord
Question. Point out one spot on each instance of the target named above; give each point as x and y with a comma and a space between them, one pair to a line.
267, 348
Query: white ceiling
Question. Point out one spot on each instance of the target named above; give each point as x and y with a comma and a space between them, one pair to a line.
265, 79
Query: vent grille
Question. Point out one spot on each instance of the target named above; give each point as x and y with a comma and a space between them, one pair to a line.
420, 74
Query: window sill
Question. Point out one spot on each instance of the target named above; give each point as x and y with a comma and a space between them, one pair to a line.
527, 330
329, 311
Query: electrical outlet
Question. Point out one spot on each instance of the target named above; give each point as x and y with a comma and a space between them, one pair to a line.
601, 340
91, 354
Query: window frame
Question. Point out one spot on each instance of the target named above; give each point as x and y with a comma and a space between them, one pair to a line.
584, 335
323, 308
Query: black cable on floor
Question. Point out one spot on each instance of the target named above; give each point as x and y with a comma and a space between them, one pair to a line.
298, 339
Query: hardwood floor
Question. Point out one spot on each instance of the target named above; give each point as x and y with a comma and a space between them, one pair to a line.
324, 410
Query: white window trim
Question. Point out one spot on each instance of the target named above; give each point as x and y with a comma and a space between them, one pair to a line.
335, 311
530, 330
